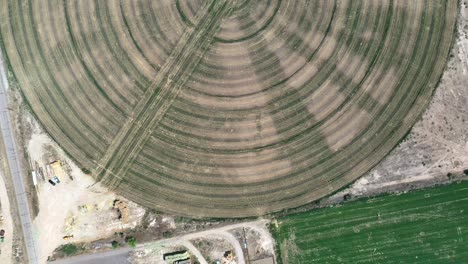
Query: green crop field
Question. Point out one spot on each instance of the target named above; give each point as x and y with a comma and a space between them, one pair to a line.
227, 108
426, 226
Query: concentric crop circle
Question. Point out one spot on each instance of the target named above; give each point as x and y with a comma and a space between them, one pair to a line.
216, 108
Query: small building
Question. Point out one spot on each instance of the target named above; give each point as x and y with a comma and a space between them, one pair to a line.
185, 261
178, 257
57, 169
34, 177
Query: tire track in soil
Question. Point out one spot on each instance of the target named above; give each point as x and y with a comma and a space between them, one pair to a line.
161, 93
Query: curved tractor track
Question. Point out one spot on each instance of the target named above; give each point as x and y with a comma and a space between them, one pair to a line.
227, 108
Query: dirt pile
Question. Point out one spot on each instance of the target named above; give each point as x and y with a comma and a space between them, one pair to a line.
122, 209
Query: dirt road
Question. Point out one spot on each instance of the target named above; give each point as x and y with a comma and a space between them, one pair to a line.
218, 232
118, 255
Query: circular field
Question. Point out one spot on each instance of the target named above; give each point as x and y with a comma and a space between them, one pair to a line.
227, 108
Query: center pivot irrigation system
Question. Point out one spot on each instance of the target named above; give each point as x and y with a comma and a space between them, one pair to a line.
222, 108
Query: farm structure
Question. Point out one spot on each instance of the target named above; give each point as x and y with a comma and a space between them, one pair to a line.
223, 108
426, 226
177, 257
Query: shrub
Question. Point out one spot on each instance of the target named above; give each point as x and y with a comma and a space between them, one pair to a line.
115, 244
347, 197
69, 249
131, 241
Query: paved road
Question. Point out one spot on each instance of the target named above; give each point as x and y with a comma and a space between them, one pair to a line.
15, 169
7, 225
118, 256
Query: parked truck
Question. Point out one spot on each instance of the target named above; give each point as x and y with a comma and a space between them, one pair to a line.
2, 235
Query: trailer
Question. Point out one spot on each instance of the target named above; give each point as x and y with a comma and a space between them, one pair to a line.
34, 177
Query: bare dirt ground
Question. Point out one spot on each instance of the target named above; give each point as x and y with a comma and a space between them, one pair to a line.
436, 150
209, 246
258, 248
212, 249
77, 206
83, 210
